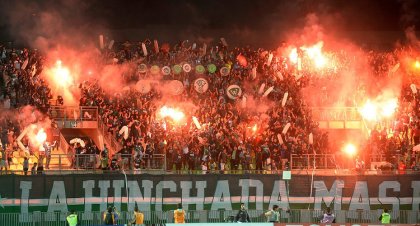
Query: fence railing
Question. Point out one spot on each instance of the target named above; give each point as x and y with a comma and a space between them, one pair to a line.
125, 162
336, 114
76, 113
310, 161
210, 216
158, 163
341, 161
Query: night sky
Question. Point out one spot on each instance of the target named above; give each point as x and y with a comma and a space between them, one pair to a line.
201, 18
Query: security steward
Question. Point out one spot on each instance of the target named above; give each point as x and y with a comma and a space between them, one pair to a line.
179, 215
138, 217
385, 218
72, 218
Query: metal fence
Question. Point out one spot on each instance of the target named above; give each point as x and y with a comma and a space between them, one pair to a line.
126, 162
336, 114
82, 113
341, 161
209, 216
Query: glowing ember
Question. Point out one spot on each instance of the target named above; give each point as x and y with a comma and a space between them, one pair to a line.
350, 149
172, 113
41, 136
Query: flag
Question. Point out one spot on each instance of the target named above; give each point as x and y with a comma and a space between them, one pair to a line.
143, 46
270, 58
286, 128
280, 138
311, 138
224, 41
243, 101
111, 43
101, 41
268, 91
283, 102
155, 43
261, 90
196, 122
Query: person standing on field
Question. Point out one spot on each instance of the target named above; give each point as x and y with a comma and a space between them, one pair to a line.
179, 215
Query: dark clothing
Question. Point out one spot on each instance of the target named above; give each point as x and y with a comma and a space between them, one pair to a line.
242, 216
109, 219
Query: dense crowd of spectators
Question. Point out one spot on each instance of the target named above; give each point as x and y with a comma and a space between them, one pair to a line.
232, 136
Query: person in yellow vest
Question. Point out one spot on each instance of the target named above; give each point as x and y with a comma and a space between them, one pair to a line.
179, 215
72, 218
108, 217
385, 218
138, 217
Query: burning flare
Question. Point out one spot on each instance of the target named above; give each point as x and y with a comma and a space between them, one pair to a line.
369, 111
315, 54
417, 64
376, 110
254, 128
41, 136
293, 56
62, 77
172, 113
350, 149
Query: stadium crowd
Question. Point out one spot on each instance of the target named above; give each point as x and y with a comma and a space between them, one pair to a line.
259, 133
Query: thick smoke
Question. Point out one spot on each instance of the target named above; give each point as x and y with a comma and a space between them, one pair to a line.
46, 24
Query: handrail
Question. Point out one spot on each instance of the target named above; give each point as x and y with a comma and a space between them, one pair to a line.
64, 146
112, 143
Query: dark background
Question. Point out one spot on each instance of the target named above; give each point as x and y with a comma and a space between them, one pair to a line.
256, 22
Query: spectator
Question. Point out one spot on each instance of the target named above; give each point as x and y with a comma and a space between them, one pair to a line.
225, 122
104, 159
33, 169
273, 215
3, 163
40, 168
108, 217
328, 217
25, 165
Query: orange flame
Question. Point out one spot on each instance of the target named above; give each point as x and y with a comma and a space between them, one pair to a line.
350, 149
417, 64
254, 128
172, 113
375, 110
315, 54
62, 77
293, 56
41, 136
369, 111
